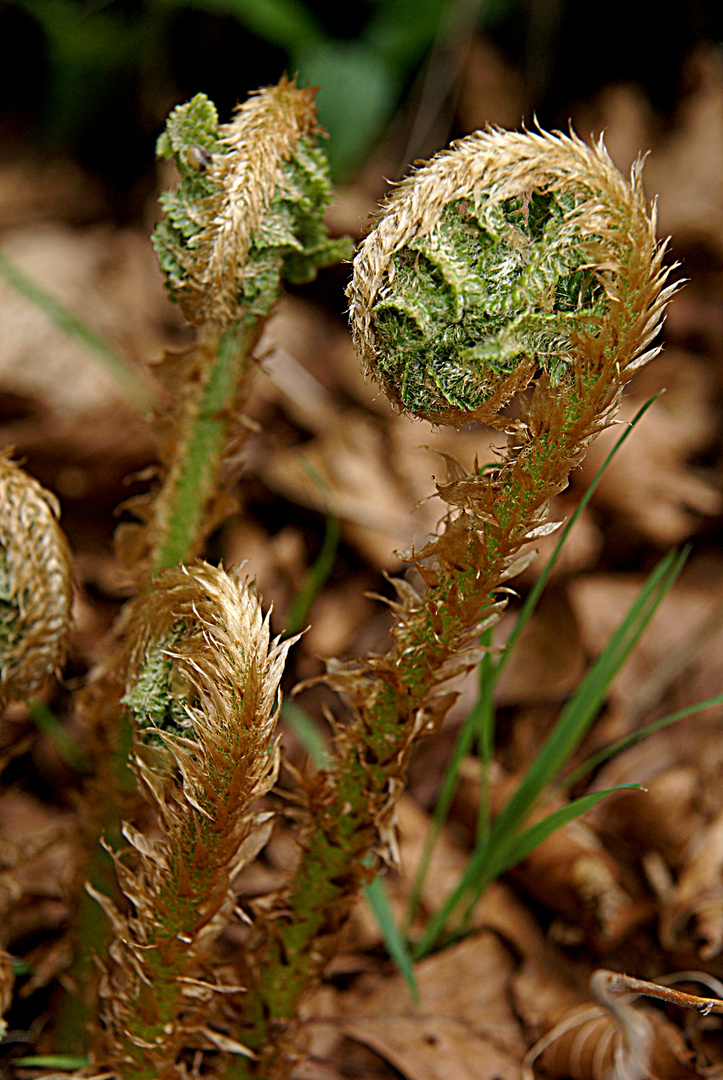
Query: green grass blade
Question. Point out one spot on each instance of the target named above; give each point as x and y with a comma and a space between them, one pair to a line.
582, 708
307, 733
482, 717
393, 938
595, 760
531, 838
46, 721
315, 577
570, 728
484, 866
474, 726
485, 728
123, 373
480, 722
442, 806
63, 1062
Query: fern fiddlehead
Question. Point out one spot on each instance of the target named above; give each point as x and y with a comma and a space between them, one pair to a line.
246, 215
511, 262
201, 676
508, 254
35, 584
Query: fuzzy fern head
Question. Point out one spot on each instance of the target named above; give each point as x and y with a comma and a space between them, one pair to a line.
35, 583
248, 210
510, 254
201, 678
200, 662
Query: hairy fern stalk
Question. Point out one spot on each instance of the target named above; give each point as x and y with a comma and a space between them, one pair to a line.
512, 265
201, 681
246, 215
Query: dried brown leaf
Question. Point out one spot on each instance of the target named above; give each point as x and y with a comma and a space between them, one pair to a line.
463, 1028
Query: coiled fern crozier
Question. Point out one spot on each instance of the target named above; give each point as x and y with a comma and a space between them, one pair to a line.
35, 584
512, 265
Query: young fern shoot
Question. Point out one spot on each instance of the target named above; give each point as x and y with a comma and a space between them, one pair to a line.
246, 215
35, 584
201, 677
512, 265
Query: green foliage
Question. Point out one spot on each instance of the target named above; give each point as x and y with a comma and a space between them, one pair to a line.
67, 747
190, 127
62, 1062
98, 53
508, 840
393, 937
493, 282
158, 701
479, 729
191, 131
290, 241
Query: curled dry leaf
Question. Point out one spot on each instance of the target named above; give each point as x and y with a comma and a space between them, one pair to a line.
692, 908
611, 1039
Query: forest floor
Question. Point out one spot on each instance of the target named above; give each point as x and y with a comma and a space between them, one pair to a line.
635, 886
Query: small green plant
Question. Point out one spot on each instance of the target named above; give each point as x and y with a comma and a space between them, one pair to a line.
513, 265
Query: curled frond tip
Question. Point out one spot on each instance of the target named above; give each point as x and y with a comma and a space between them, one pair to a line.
508, 254
35, 583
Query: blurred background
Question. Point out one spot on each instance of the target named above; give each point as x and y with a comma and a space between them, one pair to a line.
94, 79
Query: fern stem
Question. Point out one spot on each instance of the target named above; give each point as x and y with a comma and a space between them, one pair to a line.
584, 340
180, 530
348, 803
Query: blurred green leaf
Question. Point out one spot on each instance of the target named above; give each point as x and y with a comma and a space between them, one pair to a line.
284, 23
393, 938
307, 733
123, 372
64, 1062
357, 96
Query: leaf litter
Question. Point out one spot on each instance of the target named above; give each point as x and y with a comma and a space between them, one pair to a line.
637, 885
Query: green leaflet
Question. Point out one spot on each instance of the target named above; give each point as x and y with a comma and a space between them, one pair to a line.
488, 285
290, 242
158, 700
190, 129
